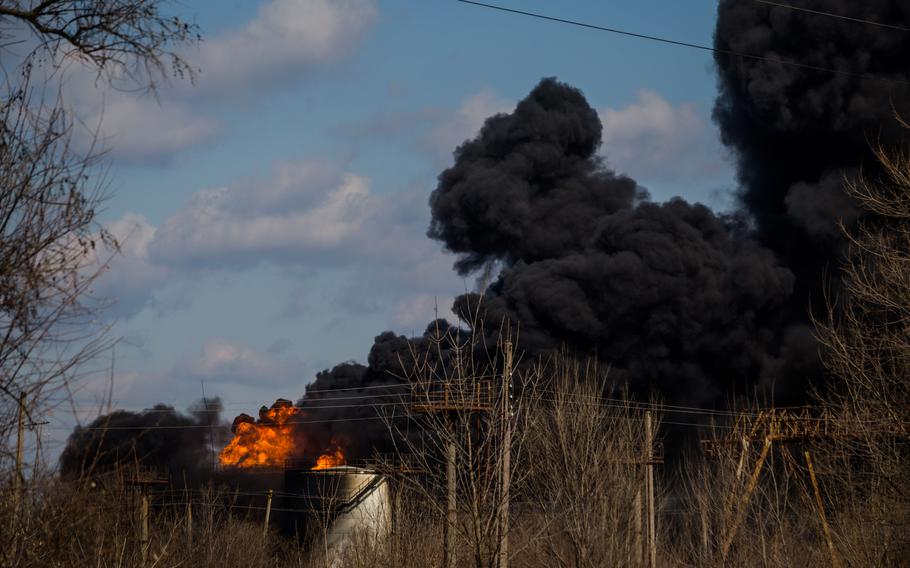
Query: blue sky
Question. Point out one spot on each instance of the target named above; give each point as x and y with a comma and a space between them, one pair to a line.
272, 216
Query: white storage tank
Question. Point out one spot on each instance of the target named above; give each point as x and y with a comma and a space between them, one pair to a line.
340, 505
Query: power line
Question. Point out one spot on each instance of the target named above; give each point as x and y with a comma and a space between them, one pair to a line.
678, 43
192, 426
832, 15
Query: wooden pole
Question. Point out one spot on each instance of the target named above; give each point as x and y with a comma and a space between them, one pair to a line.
506, 456
449, 555
835, 561
144, 523
652, 537
268, 512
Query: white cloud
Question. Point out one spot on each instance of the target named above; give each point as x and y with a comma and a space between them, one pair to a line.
285, 42
651, 139
130, 275
453, 128
307, 218
435, 131
133, 128
287, 39
299, 212
141, 131
223, 361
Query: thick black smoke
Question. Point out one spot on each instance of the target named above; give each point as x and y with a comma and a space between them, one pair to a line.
354, 405
158, 437
796, 132
529, 187
696, 305
674, 297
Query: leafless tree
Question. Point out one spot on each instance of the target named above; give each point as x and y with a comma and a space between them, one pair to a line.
51, 247
866, 340
120, 39
585, 496
47, 206
461, 383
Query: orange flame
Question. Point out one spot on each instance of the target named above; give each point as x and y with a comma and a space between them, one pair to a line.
265, 444
328, 460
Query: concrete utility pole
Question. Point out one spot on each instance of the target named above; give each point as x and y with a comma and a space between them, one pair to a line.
268, 512
506, 455
637, 543
144, 523
189, 525
449, 560
652, 536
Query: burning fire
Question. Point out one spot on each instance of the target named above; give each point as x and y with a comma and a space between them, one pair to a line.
270, 441
265, 444
334, 459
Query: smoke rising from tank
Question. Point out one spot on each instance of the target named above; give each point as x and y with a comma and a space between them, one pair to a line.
693, 304
672, 296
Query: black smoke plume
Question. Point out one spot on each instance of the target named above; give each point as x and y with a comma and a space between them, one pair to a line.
354, 405
159, 437
696, 305
796, 132
672, 296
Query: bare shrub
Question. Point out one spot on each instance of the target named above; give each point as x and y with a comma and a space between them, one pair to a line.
866, 339
583, 502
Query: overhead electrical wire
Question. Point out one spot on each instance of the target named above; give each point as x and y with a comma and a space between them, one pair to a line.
318, 404
786, 62
604, 403
832, 15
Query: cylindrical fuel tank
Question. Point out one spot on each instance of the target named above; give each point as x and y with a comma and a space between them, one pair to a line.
338, 505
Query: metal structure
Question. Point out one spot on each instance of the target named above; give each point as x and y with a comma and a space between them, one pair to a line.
476, 394
448, 396
791, 425
781, 426
145, 478
345, 502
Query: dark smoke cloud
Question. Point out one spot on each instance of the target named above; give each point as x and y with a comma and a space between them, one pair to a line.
529, 187
693, 304
351, 402
674, 297
797, 132
159, 437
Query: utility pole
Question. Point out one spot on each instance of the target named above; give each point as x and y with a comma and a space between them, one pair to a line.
637, 543
506, 455
189, 524
208, 416
449, 560
145, 478
451, 400
144, 523
652, 537
268, 512
20, 447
